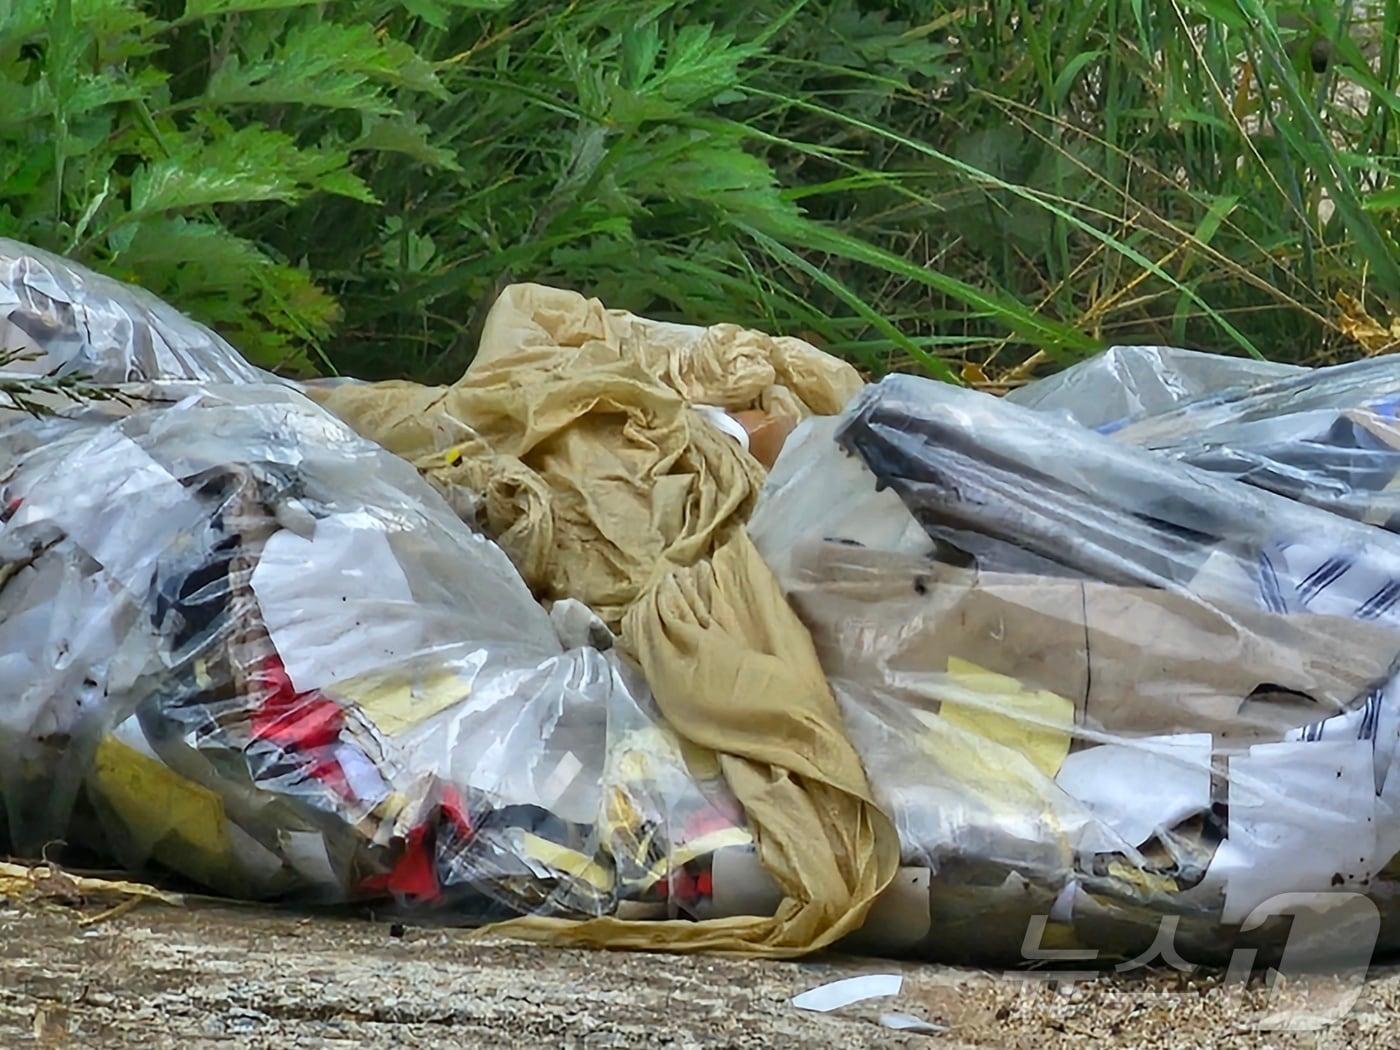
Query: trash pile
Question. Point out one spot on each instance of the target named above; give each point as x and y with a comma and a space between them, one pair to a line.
1090, 682
642, 622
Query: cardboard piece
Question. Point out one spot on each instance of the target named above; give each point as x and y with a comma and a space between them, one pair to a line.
1135, 661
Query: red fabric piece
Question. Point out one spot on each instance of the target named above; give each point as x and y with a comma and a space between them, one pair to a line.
301, 724
414, 873
375, 884
704, 884
291, 720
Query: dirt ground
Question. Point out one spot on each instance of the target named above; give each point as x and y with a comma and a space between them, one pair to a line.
213, 976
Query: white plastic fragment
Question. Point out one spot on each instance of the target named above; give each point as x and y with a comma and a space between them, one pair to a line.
1063, 908
910, 1023
725, 423
827, 997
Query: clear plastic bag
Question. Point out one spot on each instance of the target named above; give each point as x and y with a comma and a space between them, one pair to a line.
1329, 437
1126, 382
246, 644
60, 319
1088, 682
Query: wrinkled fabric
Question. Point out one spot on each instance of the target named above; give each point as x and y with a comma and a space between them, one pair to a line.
723, 365
593, 480
734, 673
573, 426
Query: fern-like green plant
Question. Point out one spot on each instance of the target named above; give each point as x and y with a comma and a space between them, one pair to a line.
968, 190
144, 141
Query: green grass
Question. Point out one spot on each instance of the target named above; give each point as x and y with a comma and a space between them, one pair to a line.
964, 189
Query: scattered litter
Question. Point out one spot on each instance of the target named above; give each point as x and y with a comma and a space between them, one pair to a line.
46, 882
1096, 685
910, 1023
833, 996
307, 678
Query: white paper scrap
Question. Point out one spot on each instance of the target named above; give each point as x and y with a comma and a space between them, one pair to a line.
1134, 789
833, 996
361, 775
337, 605
724, 423
1302, 819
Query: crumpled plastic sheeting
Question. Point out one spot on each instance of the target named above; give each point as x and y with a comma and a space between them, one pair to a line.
1329, 437
1127, 382
593, 480
1088, 682
722, 365
573, 437
258, 650
245, 642
60, 319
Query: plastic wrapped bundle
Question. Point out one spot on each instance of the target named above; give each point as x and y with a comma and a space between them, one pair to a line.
1126, 382
1329, 437
241, 641
59, 319
1091, 683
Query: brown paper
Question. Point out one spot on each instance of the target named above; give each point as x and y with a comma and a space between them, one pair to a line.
1135, 661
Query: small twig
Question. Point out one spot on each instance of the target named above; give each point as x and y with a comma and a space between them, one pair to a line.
111, 913
36, 395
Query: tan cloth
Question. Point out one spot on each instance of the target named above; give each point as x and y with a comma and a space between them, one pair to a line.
1135, 661
734, 672
573, 425
574, 428
723, 365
